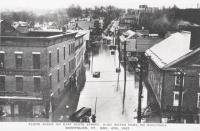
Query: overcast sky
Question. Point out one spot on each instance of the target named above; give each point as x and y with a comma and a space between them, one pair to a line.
54, 4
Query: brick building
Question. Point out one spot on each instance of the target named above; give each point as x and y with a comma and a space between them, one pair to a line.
35, 68
180, 50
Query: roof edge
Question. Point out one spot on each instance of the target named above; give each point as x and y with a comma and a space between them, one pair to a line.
181, 58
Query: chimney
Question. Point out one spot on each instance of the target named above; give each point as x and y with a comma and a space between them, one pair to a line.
195, 37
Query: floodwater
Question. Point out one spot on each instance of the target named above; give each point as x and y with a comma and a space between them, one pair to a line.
105, 94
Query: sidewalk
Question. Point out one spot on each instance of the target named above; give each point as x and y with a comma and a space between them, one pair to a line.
66, 107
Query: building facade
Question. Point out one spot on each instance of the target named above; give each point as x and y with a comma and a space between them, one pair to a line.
175, 52
34, 70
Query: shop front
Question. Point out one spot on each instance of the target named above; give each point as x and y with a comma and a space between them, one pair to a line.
13, 106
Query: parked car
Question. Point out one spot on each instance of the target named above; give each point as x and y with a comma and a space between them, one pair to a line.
82, 115
112, 52
96, 74
118, 70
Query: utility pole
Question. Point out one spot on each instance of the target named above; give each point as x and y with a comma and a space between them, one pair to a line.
114, 37
92, 62
139, 117
94, 115
181, 74
124, 94
95, 106
119, 58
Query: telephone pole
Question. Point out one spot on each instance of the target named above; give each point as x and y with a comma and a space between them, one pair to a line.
124, 93
119, 58
181, 75
140, 66
92, 62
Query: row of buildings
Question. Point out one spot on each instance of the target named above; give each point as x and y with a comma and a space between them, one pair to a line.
179, 50
37, 67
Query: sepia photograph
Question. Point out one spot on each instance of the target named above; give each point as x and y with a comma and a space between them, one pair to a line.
100, 61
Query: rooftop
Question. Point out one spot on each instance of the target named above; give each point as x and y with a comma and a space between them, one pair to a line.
171, 49
36, 39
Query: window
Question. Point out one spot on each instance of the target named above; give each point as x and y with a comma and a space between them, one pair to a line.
176, 98
69, 49
58, 75
198, 100
36, 83
18, 60
2, 57
58, 55
73, 47
50, 59
50, 81
64, 70
36, 60
177, 80
19, 83
64, 53
71, 65
2, 83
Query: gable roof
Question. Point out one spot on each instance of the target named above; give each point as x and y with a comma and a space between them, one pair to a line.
171, 50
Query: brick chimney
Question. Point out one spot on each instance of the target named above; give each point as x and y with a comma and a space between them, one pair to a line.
195, 37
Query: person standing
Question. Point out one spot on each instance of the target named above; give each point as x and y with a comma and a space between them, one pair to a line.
93, 118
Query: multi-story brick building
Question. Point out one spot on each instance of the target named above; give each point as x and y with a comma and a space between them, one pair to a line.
179, 51
34, 68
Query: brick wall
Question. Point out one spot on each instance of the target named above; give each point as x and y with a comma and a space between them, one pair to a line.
27, 65
155, 79
59, 86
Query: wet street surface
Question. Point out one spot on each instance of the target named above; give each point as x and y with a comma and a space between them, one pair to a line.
106, 89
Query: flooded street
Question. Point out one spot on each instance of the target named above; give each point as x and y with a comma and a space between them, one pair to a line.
106, 89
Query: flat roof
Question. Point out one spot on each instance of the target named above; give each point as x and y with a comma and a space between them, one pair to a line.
33, 39
41, 34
